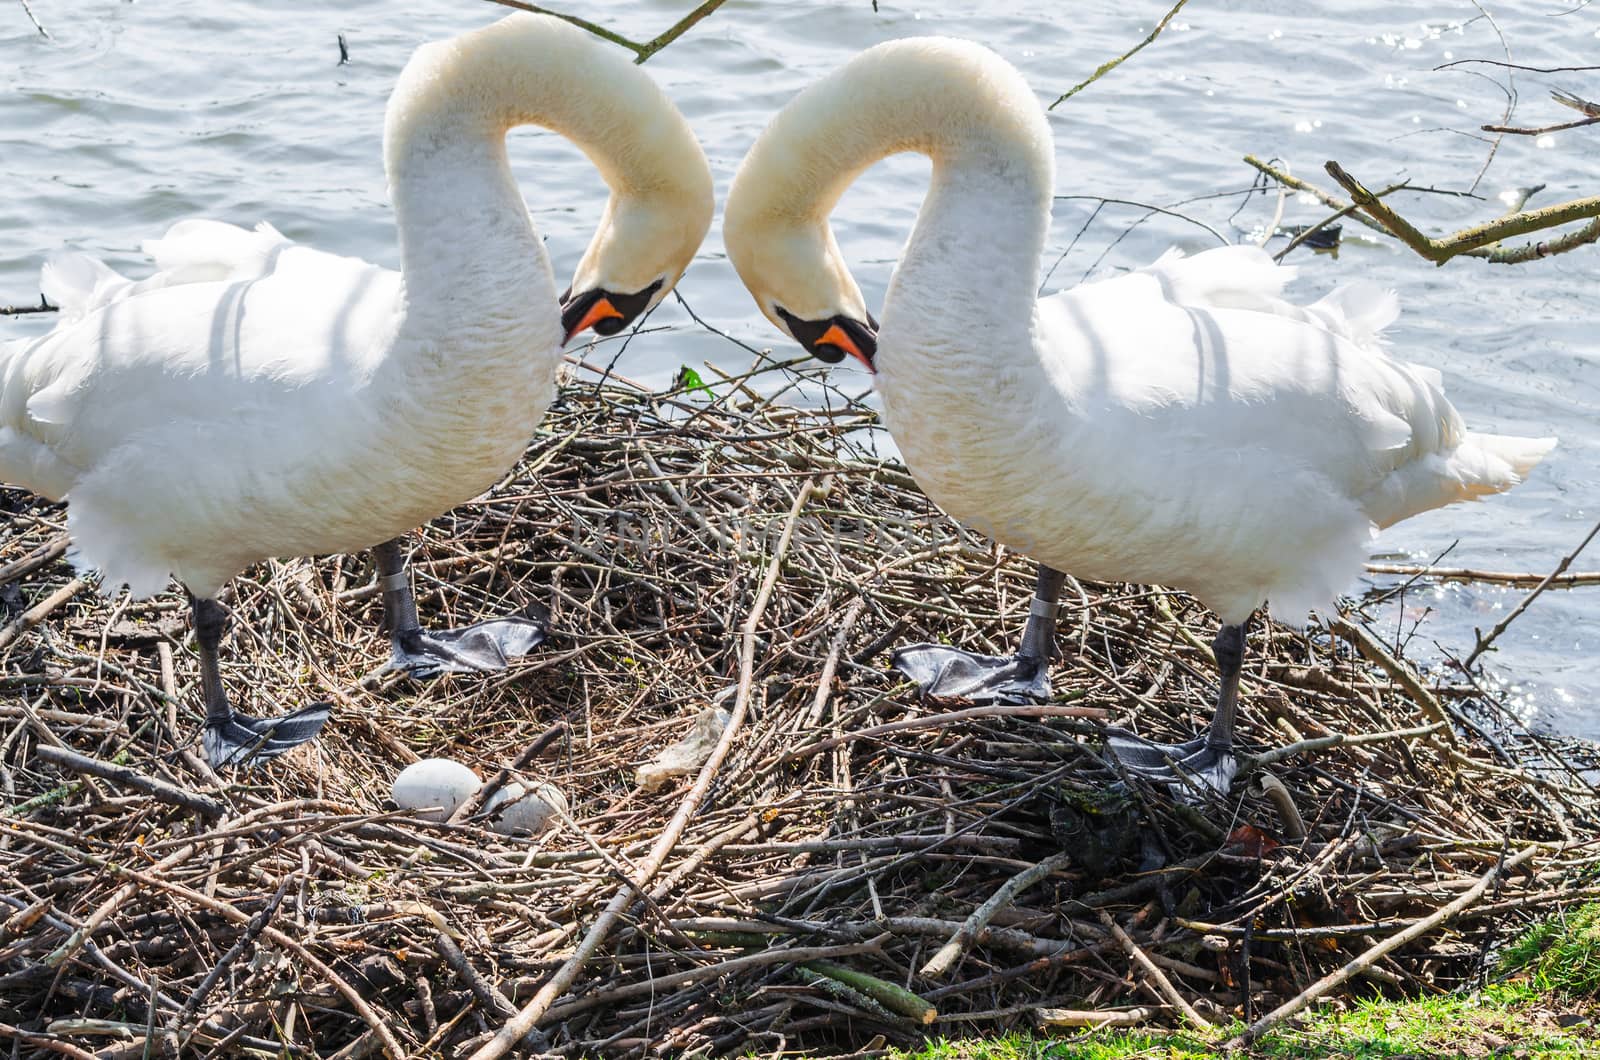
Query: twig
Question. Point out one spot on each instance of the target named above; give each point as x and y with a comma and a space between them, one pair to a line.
1066, 1017
1402, 674
1371, 957
43, 556
760, 959
1311, 230
24, 310
488, 995
391, 1045
1500, 627
247, 937
1288, 179
106, 909
896, 999
1577, 103
1477, 241
1047, 710
1519, 66
1266, 785
47, 1042
40, 611
1157, 976
643, 51
129, 777
941, 962
1541, 130
830, 665
1469, 574
34, 19
514, 1029
1112, 64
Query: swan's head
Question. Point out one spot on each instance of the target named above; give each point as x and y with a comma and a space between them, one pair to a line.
643, 246
953, 100
530, 69
795, 272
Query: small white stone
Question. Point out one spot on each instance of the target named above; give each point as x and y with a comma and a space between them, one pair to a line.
515, 810
434, 787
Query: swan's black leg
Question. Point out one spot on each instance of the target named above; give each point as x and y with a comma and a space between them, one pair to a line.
231, 738
950, 673
1207, 759
486, 645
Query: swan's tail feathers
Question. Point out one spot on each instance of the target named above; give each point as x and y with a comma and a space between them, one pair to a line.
1493, 463
78, 283
1235, 277
1478, 466
199, 251
1358, 311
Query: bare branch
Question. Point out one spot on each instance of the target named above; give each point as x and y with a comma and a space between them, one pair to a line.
1481, 240
1567, 99
1543, 129
1591, 112
1107, 67
23, 310
1518, 66
1550, 579
36, 24
642, 51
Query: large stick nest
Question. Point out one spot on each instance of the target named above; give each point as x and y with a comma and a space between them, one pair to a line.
254, 917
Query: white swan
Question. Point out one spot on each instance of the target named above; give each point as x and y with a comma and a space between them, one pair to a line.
1181, 425
257, 398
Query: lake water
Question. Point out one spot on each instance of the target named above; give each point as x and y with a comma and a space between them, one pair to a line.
138, 114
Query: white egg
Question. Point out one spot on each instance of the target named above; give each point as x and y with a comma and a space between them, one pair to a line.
514, 810
434, 782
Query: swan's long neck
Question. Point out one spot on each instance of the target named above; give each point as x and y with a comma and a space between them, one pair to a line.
470, 257
971, 267
972, 262
469, 252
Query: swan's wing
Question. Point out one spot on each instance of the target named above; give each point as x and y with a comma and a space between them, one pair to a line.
192, 251
310, 325
1207, 350
1245, 277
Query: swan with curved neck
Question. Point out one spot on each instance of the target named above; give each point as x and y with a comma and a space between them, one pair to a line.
257, 398
1182, 424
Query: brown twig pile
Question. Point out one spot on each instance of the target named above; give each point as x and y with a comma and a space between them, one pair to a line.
850, 866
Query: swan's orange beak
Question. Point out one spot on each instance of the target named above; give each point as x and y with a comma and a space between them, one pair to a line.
835, 336
602, 309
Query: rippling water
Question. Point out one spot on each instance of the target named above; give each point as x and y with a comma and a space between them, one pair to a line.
138, 114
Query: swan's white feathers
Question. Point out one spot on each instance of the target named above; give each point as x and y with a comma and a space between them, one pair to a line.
255, 397
197, 250
1184, 424
76, 283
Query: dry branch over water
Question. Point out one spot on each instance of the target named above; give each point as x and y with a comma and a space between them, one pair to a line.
708, 547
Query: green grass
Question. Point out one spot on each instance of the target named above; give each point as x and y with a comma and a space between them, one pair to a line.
1510, 1020
1546, 1006
1562, 954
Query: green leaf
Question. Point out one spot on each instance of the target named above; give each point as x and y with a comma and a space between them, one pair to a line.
689, 379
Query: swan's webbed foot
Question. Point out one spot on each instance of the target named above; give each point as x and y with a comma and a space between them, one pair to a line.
1198, 764
234, 739
949, 673
483, 646
943, 672
1202, 766
231, 738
